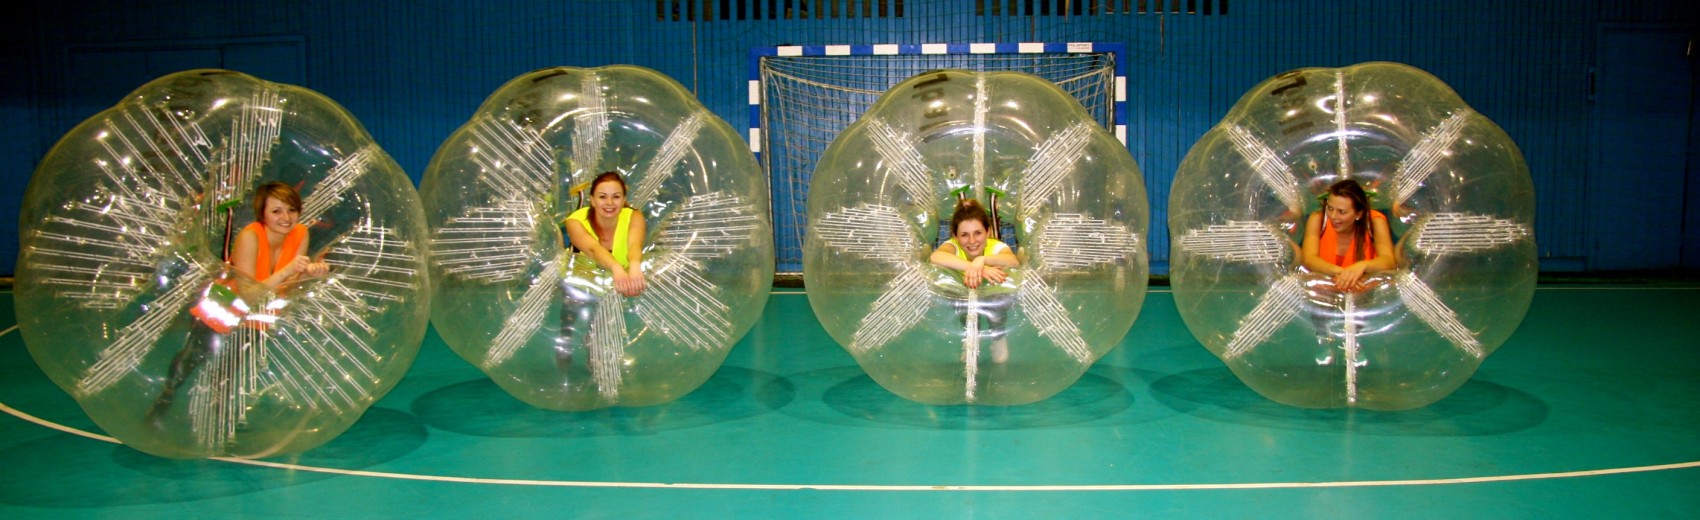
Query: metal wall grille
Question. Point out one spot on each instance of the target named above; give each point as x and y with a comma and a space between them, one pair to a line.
1097, 7
711, 10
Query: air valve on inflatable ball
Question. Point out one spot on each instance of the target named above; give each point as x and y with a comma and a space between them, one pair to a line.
1075, 208
126, 303
1459, 202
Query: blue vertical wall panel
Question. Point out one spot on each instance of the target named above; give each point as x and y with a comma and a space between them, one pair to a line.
413, 71
1639, 130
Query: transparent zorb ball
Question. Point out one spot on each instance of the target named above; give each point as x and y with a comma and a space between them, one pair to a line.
125, 302
1071, 202
543, 322
1457, 196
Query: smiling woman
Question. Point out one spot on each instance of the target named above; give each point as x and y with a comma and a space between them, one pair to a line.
612, 234
274, 248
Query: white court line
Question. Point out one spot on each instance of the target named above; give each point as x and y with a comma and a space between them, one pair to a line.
1166, 289
873, 487
1538, 288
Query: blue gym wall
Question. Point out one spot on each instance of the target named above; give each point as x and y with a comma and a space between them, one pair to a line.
1612, 157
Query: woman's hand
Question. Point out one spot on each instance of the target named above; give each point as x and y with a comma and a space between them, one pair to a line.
978, 271
971, 275
1351, 278
300, 265
629, 283
295, 267
316, 269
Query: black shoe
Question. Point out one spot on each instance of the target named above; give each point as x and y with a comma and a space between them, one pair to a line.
563, 359
156, 413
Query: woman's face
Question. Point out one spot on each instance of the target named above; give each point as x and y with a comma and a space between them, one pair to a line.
607, 198
971, 234
1341, 214
279, 218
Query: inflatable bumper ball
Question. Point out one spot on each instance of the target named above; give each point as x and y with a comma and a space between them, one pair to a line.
543, 322
1073, 205
125, 301
1459, 202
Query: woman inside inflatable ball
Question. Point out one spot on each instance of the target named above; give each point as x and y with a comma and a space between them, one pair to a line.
1346, 240
599, 238
1312, 307
275, 237
126, 300
607, 233
888, 286
981, 258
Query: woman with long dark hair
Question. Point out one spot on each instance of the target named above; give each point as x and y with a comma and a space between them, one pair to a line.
1346, 239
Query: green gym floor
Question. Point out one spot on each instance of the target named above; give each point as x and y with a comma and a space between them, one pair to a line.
1589, 411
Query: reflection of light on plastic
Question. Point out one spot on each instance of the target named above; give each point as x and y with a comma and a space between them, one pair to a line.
1238, 241
1077, 241
1418, 297
1457, 233
1424, 156
667, 159
1291, 335
1269, 167
1277, 307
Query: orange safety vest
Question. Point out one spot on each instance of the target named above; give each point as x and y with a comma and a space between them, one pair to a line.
220, 308
263, 267
1328, 246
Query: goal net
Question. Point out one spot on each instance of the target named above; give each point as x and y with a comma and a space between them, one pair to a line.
801, 97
